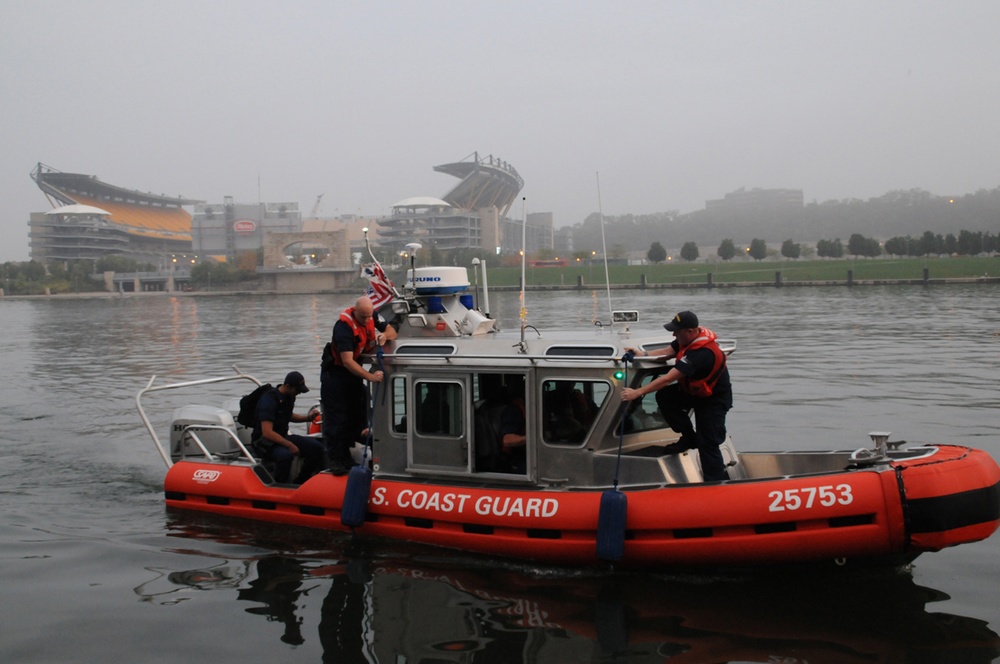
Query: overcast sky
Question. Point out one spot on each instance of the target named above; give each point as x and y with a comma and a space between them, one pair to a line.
671, 103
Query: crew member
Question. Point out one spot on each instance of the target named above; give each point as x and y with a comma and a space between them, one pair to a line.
343, 394
698, 381
275, 410
512, 437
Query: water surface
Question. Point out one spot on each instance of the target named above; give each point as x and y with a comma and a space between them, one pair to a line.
92, 566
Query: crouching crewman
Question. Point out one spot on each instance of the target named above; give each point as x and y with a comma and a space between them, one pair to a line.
271, 438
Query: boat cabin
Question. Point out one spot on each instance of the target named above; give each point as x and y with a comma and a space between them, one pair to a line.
455, 384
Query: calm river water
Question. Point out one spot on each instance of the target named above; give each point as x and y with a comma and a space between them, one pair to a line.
94, 569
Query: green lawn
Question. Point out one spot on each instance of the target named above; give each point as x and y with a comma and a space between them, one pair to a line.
863, 269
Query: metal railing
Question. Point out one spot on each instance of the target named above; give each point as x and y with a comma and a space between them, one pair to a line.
173, 386
192, 429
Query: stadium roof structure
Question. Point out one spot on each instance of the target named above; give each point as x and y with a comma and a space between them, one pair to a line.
148, 215
415, 202
78, 209
486, 182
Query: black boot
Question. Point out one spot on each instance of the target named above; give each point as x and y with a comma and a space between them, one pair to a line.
687, 441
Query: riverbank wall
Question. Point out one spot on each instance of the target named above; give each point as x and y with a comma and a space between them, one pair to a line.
580, 285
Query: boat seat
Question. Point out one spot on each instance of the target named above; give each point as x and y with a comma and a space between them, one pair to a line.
268, 466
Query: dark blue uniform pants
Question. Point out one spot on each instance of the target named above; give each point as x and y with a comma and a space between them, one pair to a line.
310, 449
708, 431
344, 399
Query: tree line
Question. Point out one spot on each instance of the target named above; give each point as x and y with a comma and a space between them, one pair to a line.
75, 276
83, 276
966, 243
896, 214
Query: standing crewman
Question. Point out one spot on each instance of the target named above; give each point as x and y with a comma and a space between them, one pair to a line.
343, 394
698, 381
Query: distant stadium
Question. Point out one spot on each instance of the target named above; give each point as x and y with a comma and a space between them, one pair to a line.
91, 219
471, 215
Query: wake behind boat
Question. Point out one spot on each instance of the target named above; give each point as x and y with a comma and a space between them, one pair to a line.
595, 482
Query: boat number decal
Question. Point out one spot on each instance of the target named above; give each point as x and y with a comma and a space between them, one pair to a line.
206, 476
464, 503
807, 497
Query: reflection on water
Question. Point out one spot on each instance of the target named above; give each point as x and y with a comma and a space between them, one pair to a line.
411, 604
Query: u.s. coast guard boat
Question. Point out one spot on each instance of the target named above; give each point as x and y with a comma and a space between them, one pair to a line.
594, 483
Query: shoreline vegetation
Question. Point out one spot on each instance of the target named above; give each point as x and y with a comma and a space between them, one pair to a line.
590, 275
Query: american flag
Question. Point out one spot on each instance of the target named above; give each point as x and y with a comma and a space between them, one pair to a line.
380, 289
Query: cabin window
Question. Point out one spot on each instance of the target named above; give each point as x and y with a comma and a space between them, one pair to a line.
581, 351
428, 349
437, 434
569, 408
398, 391
643, 414
439, 409
498, 406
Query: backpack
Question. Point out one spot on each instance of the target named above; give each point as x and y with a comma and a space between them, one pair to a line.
248, 406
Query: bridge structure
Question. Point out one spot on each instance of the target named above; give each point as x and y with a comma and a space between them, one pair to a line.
136, 282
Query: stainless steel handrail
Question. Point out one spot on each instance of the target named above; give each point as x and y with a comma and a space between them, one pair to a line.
192, 429
728, 347
173, 386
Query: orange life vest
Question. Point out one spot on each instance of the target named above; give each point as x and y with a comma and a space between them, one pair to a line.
364, 337
702, 387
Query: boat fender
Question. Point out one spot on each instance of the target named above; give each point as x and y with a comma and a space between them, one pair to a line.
356, 493
614, 505
611, 526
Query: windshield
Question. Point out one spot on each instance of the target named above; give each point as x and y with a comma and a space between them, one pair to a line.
643, 414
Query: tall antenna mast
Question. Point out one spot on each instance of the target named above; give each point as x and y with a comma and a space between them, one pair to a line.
524, 255
604, 246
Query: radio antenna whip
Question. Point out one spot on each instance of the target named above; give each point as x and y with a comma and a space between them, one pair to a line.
604, 247
524, 312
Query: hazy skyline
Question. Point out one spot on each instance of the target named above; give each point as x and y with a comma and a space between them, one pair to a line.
672, 103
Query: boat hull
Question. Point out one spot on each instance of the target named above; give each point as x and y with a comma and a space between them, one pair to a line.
892, 511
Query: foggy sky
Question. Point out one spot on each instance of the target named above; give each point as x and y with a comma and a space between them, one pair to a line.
671, 103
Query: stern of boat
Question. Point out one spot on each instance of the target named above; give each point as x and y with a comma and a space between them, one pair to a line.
950, 497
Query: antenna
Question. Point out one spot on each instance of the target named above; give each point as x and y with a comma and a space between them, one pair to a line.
475, 276
604, 246
364, 230
524, 256
412, 248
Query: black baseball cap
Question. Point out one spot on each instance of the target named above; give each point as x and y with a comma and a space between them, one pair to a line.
685, 320
295, 379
